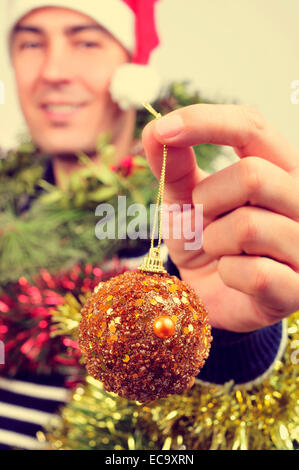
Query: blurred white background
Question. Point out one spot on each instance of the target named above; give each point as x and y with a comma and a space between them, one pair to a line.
240, 50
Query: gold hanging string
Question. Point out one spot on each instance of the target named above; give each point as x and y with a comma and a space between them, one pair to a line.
152, 262
159, 203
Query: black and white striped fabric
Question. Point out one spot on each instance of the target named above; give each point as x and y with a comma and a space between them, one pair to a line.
26, 407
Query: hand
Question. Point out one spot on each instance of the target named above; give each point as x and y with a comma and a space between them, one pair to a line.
247, 271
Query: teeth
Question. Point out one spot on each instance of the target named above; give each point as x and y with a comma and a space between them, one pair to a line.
61, 108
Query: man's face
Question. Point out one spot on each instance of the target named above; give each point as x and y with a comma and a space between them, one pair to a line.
64, 62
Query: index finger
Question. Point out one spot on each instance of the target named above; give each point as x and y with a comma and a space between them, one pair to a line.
241, 127
182, 173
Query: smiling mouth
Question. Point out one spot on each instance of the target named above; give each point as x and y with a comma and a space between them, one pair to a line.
61, 112
61, 108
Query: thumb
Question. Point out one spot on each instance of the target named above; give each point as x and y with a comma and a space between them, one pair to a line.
182, 173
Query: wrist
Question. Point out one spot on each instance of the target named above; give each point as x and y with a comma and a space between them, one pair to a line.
244, 358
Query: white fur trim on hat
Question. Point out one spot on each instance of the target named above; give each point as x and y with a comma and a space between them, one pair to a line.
133, 85
114, 15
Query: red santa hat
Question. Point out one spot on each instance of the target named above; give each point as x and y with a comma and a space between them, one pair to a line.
132, 23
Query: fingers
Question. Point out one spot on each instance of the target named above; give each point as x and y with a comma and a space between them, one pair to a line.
251, 181
241, 127
182, 172
274, 287
254, 231
237, 126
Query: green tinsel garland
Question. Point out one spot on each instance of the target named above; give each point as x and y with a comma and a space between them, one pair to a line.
43, 226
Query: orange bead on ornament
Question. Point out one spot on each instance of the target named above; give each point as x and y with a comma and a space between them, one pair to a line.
164, 327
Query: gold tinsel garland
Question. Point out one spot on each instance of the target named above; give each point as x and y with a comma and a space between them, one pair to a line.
215, 417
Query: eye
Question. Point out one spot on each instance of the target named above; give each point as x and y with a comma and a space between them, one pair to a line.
30, 45
89, 44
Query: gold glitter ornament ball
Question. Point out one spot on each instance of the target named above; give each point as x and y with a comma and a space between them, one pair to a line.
144, 335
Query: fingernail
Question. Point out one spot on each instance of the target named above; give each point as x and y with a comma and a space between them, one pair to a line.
169, 126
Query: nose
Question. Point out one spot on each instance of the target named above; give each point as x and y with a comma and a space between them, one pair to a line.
57, 66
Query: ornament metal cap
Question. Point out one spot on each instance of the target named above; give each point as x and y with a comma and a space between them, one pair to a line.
152, 262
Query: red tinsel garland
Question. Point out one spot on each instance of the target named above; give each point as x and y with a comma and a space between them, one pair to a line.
26, 322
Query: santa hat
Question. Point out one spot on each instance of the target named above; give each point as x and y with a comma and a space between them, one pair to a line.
132, 23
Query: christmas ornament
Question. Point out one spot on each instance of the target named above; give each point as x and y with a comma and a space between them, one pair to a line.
145, 334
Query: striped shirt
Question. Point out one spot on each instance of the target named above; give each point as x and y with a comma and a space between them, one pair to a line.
26, 407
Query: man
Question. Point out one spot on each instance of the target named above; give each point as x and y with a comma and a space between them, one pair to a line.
248, 270
64, 62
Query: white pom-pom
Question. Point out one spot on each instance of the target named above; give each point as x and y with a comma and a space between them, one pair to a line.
134, 84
